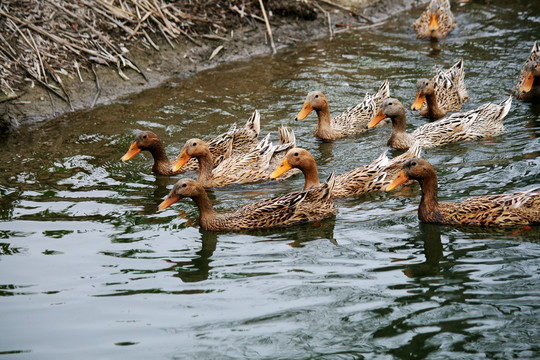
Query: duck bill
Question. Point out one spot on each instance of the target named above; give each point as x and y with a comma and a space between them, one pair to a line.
377, 119
133, 150
527, 83
418, 102
306, 109
181, 161
171, 199
281, 169
400, 179
434, 23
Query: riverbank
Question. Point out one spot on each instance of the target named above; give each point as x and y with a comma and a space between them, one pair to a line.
158, 59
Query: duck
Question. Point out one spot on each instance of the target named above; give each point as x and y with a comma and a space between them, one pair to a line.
483, 122
290, 209
253, 166
445, 92
436, 22
528, 84
351, 121
368, 178
234, 141
520, 208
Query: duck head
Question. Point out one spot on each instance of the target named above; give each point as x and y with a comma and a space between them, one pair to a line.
192, 148
315, 100
145, 140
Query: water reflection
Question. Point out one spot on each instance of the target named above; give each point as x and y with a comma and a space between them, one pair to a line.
197, 268
430, 236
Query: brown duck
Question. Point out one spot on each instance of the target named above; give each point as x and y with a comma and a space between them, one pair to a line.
521, 208
351, 121
252, 166
234, 141
445, 92
482, 122
294, 208
436, 21
368, 178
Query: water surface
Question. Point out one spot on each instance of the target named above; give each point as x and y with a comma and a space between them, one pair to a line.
90, 269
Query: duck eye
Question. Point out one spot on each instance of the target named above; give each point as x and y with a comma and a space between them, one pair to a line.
295, 154
316, 96
413, 163
144, 137
184, 185
194, 144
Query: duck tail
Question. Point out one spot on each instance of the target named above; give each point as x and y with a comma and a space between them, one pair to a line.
264, 146
382, 93
254, 123
287, 139
286, 136
535, 52
506, 105
329, 185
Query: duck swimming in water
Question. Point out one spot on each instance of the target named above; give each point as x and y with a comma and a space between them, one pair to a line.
521, 208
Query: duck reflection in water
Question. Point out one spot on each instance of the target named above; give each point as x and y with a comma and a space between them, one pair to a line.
198, 267
430, 234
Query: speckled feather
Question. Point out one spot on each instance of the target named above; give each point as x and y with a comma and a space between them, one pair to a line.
294, 208
521, 208
233, 142
450, 90
355, 119
253, 166
482, 122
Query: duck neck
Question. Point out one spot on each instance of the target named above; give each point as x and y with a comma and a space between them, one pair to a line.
399, 122
324, 128
158, 153
206, 164
433, 110
428, 211
311, 174
206, 210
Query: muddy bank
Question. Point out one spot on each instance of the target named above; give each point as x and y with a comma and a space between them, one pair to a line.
187, 57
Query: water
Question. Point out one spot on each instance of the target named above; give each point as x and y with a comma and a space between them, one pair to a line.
90, 269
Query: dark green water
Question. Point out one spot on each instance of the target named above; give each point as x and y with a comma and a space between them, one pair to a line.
90, 269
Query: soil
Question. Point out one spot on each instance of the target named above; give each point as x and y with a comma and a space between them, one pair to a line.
290, 25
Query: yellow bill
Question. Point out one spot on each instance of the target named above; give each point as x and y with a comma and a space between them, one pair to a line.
171, 199
418, 102
281, 169
133, 150
306, 109
400, 179
376, 119
183, 158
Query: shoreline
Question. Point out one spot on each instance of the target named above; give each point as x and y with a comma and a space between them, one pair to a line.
105, 85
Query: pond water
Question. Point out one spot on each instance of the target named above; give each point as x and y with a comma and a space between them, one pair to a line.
90, 269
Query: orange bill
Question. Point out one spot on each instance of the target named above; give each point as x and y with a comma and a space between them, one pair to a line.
133, 150
418, 102
281, 169
181, 161
400, 179
377, 119
306, 109
171, 199
434, 23
527, 83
